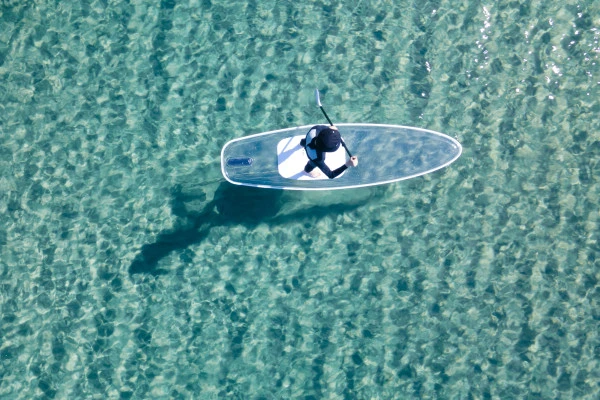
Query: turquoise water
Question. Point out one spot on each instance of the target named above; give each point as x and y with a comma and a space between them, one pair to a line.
130, 269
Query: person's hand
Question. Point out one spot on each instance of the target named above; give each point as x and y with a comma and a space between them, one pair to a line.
352, 162
333, 127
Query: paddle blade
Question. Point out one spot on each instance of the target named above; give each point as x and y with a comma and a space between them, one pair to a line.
318, 98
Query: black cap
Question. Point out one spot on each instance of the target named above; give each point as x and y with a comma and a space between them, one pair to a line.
330, 139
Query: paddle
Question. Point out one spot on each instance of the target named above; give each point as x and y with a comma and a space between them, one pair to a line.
318, 97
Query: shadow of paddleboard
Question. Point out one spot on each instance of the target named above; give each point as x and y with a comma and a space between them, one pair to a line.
232, 205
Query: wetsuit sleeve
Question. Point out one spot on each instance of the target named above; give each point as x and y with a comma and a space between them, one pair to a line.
330, 174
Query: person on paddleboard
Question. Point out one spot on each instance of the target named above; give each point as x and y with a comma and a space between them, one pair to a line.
319, 140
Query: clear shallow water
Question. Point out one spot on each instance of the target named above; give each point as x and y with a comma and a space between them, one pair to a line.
130, 270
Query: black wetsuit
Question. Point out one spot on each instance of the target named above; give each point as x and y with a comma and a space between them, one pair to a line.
319, 159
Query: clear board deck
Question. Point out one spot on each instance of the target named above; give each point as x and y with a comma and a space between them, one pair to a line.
386, 153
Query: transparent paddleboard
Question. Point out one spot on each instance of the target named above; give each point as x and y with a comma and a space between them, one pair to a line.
386, 154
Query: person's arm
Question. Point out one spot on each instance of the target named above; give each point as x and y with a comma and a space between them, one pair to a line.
352, 162
328, 172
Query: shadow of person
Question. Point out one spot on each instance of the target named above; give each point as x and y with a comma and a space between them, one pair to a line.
232, 205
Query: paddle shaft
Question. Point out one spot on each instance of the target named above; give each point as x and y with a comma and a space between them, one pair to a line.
331, 124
